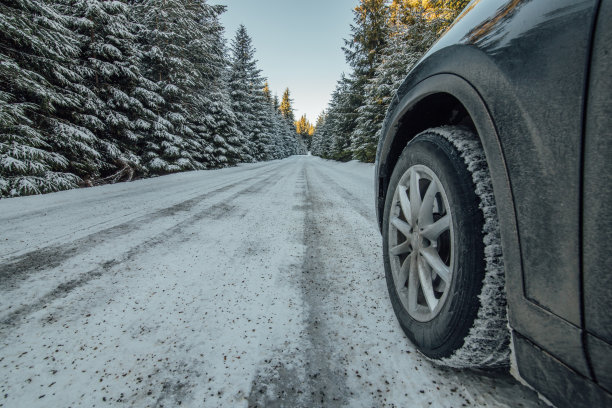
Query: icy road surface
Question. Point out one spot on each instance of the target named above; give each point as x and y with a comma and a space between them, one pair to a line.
260, 285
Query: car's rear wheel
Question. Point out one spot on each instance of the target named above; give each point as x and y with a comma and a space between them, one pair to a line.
442, 252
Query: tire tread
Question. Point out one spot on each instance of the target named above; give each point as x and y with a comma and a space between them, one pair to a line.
488, 340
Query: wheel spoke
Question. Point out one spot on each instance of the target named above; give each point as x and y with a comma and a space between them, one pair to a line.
426, 210
413, 283
431, 256
433, 231
402, 275
415, 195
427, 286
402, 227
405, 204
402, 248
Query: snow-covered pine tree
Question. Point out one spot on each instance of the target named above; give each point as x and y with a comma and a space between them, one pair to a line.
279, 148
285, 141
41, 150
227, 122
290, 140
252, 101
116, 99
413, 29
322, 139
245, 84
317, 136
216, 142
359, 102
344, 117
286, 107
304, 129
368, 37
331, 143
167, 28
262, 131
273, 135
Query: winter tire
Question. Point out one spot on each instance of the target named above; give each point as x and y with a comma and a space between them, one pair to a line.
442, 251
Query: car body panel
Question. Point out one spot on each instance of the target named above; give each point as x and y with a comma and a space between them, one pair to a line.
558, 383
519, 68
597, 199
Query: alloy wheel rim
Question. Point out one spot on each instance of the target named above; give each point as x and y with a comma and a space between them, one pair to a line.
421, 243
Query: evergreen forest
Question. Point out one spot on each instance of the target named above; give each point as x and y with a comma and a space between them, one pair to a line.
97, 91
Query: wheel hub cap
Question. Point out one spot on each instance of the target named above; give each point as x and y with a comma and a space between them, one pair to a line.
420, 243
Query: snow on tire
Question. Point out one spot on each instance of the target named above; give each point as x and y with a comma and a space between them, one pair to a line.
442, 251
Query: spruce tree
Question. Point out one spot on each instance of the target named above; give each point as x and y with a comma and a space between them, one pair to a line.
317, 136
167, 28
41, 149
413, 29
369, 34
283, 138
332, 141
387, 38
305, 130
245, 84
217, 139
286, 107
115, 106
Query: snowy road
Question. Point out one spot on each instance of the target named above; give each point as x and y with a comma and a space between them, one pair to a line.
260, 285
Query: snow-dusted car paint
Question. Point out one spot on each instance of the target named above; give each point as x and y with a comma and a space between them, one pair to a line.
517, 72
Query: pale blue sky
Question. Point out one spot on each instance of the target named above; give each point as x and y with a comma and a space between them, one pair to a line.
298, 45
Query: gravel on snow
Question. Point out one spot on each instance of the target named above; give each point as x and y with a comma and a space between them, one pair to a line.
258, 285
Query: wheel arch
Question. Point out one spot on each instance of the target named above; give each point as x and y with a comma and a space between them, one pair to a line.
426, 111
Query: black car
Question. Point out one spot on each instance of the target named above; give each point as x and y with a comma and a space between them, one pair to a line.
494, 196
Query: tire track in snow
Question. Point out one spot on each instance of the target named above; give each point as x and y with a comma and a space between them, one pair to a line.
320, 381
353, 200
325, 375
215, 211
340, 169
54, 255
